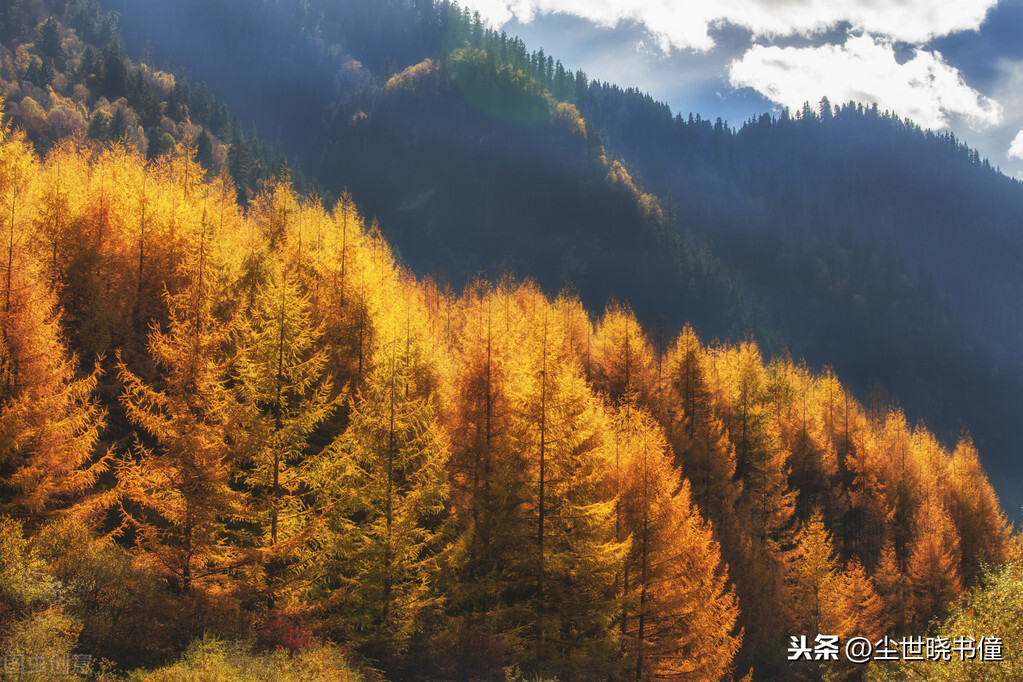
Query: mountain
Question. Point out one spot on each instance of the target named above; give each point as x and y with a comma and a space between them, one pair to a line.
292, 455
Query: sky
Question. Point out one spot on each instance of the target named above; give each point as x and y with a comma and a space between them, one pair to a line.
946, 64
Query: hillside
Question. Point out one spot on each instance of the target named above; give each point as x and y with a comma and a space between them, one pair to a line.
845, 235
517, 403
64, 73
291, 443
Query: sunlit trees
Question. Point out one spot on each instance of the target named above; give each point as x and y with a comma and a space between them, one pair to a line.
934, 563
281, 379
980, 521
49, 418
804, 410
697, 435
894, 588
568, 601
488, 482
985, 622
623, 356
757, 555
677, 616
385, 482
502, 484
814, 580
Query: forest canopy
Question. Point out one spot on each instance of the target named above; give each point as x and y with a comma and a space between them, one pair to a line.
272, 431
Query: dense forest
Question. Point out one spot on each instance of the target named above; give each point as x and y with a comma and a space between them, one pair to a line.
844, 234
241, 438
255, 424
67, 73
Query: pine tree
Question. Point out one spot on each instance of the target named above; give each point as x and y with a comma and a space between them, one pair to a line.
983, 528
761, 463
869, 508
894, 589
757, 557
49, 418
934, 562
281, 378
813, 587
813, 579
861, 608
624, 360
805, 431
862, 614
570, 606
489, 491
698, 439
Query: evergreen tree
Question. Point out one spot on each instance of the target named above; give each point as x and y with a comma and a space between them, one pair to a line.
982, 527
624, 359
861, 608
894, 588
281, 378
204, 151
814, 580
698, 439
813, 587
489, 490
568, 610
934, 562
50, 421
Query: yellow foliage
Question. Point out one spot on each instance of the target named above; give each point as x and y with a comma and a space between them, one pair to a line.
31, 116
410, 79
162, 81
571, 119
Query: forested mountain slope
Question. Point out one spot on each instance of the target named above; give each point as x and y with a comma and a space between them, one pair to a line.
844, 234
290, 443
886, 250
233, 417
64, 72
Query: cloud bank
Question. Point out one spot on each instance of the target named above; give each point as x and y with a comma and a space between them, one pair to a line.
865, 69
1016, 146
686, 24
924, 88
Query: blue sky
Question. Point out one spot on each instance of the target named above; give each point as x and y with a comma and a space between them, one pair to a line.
947, 64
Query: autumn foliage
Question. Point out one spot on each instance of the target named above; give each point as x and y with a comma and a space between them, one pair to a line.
265, 419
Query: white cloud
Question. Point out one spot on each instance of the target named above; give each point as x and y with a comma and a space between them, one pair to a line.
682, 24
1016, 147
925, 88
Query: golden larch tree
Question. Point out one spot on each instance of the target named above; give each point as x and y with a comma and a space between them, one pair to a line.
678, 617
